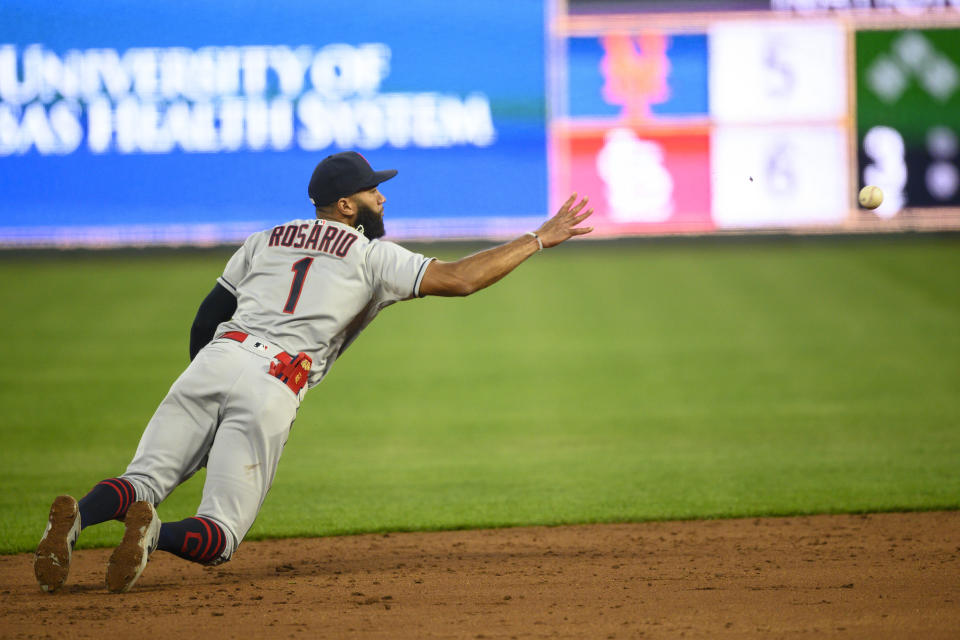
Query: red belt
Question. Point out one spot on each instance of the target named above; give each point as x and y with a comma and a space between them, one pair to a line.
239, 336
293, 371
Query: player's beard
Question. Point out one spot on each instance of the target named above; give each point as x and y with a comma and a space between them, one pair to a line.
370, 222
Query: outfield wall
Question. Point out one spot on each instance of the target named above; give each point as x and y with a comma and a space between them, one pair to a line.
197, 124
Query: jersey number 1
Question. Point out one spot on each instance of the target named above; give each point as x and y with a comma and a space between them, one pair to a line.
299, 268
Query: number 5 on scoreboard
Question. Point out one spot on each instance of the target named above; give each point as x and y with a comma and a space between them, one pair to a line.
299, 268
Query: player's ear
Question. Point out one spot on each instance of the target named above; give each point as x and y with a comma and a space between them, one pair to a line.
345, 207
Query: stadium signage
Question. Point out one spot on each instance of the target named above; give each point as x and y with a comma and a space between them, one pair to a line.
223, 99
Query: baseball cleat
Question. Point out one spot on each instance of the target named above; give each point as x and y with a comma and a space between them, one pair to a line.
140, 537
51, 563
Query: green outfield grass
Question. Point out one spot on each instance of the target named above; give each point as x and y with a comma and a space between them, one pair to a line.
602, 382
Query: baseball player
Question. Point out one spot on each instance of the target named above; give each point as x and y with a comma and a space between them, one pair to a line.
289, 302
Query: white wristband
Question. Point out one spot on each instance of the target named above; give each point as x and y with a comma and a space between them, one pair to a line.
537, 238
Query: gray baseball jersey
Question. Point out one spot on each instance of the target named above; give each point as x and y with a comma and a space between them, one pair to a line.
314, 285
307, 285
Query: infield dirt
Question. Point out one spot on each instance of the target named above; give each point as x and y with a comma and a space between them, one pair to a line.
870, 576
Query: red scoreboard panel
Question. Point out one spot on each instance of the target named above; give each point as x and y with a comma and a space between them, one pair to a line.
639, 179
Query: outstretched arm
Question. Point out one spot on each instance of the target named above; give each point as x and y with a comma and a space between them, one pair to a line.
480, 270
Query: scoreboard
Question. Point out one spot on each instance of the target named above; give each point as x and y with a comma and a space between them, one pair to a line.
908, 117
706, 117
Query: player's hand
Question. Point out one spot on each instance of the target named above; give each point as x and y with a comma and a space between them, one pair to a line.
563, 226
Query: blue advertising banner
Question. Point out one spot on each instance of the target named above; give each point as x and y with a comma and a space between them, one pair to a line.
181, 122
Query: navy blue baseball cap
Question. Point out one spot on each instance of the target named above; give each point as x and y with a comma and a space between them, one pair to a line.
343, 174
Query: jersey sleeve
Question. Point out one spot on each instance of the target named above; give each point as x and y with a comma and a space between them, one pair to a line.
238, 266
395, 272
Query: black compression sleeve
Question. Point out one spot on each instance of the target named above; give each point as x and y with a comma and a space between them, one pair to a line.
217, 307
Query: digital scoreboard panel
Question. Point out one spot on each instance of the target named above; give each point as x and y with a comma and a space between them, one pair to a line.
908, 117
701, 116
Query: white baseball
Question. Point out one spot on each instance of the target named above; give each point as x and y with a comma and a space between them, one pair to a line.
870, 197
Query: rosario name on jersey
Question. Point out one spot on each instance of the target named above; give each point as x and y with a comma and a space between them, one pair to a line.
314, 285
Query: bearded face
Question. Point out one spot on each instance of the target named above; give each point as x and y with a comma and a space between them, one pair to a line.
370, 222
